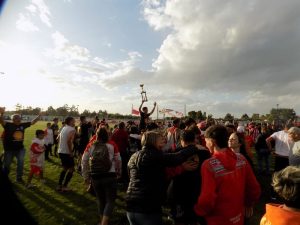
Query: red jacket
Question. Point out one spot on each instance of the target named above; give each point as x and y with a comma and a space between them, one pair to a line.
93, 139
228, 185
120, 137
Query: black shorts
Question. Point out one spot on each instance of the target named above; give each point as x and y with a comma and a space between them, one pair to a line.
55, 141
281, 162
66, 160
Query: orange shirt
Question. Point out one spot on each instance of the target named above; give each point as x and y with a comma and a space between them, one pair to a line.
277, 215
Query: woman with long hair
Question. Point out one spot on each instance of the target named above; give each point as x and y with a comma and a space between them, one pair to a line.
101, 164
237, 144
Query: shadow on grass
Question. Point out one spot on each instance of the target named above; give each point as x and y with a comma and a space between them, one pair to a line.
53, 161
64, 214
77, 198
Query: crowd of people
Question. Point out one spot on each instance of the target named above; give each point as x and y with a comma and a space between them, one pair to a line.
203, 171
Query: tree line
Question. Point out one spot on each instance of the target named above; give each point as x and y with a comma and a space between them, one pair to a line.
278, 114
67, 110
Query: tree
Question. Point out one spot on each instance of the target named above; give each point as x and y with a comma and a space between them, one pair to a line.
283, 114
263, 117
51, 111
204, 115
36, 111
93, 114
26, 111
245, 117
229, 117
199, 115
73, 110
62, 111
210, 116
86, 113
255, 116
192, 114
18, 107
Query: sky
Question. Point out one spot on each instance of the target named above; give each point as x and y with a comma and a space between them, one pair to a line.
215, 56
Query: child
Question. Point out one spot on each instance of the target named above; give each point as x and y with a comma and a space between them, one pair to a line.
37, 157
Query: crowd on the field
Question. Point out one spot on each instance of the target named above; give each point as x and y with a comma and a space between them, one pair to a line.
203, 171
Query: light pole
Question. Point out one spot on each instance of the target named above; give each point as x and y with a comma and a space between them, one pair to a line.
277, 115
77, 109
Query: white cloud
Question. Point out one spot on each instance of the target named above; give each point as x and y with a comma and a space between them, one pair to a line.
121, 73
86, 68
31, 8
229, 47
44, 11
64, 50
25, 24
35, 8
155, 14
105, 65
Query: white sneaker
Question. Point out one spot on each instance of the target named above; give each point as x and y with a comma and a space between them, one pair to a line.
30, 186
66, 189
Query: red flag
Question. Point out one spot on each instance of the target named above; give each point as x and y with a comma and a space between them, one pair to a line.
135, 112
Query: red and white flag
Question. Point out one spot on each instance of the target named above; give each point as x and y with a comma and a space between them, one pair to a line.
171, 112
163, 111
179, 114
135, 112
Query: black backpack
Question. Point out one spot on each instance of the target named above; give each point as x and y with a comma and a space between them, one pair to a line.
99, 160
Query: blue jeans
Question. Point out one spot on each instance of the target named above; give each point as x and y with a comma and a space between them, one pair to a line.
106, 193
144, 219
7, 160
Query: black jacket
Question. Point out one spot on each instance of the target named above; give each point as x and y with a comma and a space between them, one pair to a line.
187, 186
261, 142
147, 186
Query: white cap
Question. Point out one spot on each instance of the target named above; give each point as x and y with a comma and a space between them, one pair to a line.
240, 129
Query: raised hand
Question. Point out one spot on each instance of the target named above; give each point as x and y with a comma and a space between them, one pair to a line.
2, 110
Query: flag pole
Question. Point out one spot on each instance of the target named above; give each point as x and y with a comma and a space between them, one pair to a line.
156, 111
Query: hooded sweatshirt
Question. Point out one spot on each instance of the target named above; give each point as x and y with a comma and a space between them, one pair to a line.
277, 215
228, 186
37, 158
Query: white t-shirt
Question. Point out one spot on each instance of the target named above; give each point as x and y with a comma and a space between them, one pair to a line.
48, 139
63, 139
282, 143
294, 158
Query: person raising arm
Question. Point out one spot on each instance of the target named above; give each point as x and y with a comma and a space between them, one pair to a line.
145, 115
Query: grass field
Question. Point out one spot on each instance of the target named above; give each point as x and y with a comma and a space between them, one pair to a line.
50, 207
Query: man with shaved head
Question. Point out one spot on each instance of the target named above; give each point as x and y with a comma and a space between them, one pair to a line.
13, 142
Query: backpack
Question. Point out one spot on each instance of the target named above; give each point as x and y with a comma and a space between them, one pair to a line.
99, 160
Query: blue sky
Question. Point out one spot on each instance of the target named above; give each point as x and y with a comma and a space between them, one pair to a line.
213, 56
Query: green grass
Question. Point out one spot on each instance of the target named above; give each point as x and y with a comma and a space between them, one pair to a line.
49, 207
